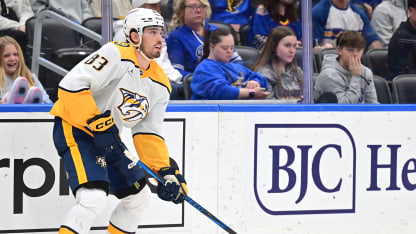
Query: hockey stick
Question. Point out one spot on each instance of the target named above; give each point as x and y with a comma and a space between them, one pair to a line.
189, 200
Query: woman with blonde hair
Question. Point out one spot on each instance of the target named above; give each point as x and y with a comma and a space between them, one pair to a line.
277, 64
186, 41
17, 83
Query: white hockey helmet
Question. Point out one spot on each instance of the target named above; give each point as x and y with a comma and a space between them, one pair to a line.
139, 18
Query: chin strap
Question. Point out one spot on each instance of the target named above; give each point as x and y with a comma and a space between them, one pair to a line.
141, 52
137, 47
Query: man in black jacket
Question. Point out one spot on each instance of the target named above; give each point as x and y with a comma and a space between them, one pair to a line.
402, 46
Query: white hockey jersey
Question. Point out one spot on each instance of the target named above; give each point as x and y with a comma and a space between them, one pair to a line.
110, 79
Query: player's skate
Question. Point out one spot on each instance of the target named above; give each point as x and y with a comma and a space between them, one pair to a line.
34, 95
17, 93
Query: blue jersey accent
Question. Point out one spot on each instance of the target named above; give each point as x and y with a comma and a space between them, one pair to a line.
231, 12
213, 80
185, 48
262, 24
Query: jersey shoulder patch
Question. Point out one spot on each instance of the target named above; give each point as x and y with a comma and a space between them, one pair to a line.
127, 52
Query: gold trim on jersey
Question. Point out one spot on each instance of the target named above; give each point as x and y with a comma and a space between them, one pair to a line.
156, 74
152, 150
75, 154
75, 107
127, 52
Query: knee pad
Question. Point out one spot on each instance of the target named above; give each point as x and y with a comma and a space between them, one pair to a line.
94, 200
127, 214
136, 203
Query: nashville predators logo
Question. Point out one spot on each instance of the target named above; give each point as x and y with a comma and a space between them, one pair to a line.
134, 106
101, 161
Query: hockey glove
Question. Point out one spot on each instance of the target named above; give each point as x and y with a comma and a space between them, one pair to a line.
106, 135
174, 188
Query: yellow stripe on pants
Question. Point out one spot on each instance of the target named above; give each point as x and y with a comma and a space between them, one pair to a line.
113, 230
64, 230
76, 155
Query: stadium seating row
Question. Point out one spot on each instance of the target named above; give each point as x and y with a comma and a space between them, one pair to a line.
68, 47
403, 92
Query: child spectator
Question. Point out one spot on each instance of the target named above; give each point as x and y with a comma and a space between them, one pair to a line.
277, 64
215, 78
17, 83
344, 75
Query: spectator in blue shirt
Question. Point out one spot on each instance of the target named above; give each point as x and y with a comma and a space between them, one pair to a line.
185, 43
236, 13
271, 14
215, 78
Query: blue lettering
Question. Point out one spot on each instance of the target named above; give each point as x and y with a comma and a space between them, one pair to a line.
304, 171
276, 168
304, 149
375, 166
316, 172
406, 183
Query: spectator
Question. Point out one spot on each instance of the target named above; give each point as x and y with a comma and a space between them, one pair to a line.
175, 77
387, 18
120, 7
17, 83
76, 10
277, 64
235, 13
274, 13
215, 78
344, 75
331, 17
402, 47
14, 24
186, 41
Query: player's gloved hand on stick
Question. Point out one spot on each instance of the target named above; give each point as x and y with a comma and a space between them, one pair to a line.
175, 187
106, 134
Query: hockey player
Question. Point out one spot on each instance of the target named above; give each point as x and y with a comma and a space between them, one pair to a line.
118, 85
